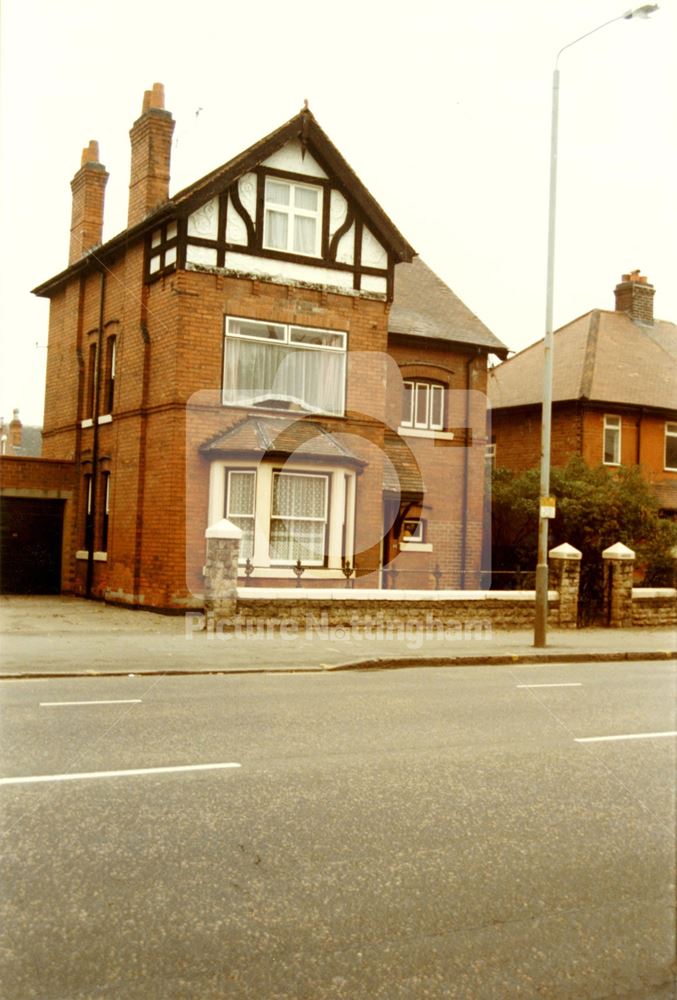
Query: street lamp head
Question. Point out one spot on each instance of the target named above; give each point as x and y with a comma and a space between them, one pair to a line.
646, 10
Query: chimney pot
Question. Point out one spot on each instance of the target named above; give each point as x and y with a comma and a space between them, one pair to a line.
91, 153
157, 97
146, 102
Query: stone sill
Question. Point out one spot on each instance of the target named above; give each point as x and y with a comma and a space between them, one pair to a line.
651, 593
98, 556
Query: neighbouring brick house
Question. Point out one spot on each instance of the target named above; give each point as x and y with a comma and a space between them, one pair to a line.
264, 346
614, 393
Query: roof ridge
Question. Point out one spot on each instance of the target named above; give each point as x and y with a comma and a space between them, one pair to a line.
590, 357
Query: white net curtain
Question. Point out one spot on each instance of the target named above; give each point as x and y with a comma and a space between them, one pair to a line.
298, 518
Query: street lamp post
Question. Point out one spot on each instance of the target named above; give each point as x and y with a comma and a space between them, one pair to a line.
546, 509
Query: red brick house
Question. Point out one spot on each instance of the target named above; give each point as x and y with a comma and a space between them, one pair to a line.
614, 393
265, 346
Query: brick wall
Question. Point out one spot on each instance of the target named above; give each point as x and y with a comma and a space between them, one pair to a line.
44, 479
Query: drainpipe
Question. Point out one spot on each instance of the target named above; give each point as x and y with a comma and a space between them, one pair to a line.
466, 472
95, 440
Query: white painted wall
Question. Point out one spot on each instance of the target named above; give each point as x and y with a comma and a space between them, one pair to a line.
204, 221
290, 158
373, 253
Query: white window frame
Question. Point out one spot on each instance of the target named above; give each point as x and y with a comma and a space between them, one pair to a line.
287, 331
612, 424
670, 432
432, 389
418, 535
324, 519
291, 210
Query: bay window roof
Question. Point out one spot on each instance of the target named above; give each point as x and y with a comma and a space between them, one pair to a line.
258, 437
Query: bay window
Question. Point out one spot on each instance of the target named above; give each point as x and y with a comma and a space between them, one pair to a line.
274, 365
286, 514
292, 214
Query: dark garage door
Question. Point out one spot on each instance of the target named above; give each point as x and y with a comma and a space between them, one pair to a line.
30, 545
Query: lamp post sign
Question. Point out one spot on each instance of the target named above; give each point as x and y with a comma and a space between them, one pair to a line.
547, 507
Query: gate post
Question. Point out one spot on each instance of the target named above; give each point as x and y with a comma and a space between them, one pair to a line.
223, 547
566, 575
619, 567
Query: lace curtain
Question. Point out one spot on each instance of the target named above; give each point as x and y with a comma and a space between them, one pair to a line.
240, 508
257, 373
298, 518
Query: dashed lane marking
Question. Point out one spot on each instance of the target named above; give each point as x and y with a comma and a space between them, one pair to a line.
36, 778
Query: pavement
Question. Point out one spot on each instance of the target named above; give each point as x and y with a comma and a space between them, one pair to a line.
71, 637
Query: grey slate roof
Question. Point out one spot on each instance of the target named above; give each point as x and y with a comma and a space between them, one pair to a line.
402, 475
258, 436
603, 356
423, 306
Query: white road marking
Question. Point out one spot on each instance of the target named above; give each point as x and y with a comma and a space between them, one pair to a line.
568, 685
625, 736
113, 701
33, 779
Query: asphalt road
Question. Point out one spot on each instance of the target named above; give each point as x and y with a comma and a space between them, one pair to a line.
387, 835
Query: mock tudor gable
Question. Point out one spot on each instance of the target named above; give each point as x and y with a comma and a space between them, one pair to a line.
288, 208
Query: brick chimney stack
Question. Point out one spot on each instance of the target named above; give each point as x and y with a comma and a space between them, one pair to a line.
634, 296
15, 429
151, 138
89, 188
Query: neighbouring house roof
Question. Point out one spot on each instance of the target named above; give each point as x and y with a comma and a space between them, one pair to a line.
271, 437
401, 473
302, 126
423, 306
603, 357
31, 443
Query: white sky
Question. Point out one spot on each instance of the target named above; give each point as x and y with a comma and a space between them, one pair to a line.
442, 109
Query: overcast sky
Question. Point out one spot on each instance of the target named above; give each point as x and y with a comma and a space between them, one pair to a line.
422, 99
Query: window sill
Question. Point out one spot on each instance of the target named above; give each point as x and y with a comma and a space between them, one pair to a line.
98, 556
420, 432
89, 422
416, 546
280, 411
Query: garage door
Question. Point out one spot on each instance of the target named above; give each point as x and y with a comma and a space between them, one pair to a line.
30, 545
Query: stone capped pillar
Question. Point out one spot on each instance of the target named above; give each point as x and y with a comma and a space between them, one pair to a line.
565, 575
619, 568
223, 548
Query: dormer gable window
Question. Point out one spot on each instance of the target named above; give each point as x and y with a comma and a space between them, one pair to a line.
292, 217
